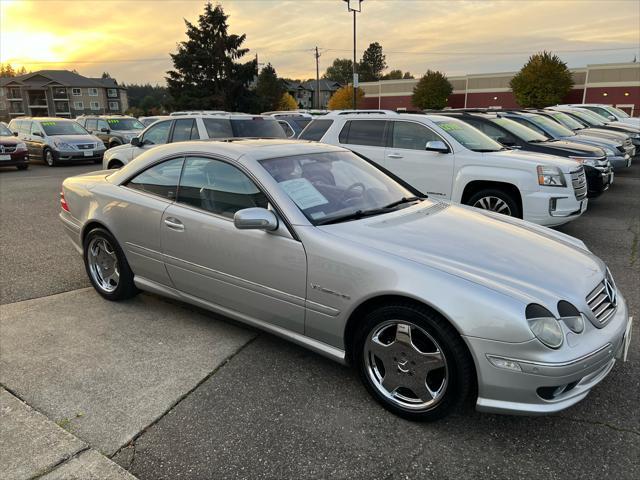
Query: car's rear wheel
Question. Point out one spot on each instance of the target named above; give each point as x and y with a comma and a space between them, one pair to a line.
496, 201
413, 362
115, 164
107, 267
22, 167
48, 157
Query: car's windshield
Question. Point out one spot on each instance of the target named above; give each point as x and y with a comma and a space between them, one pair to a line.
257, 127
525, 133
468, 136
617, 112
65, 127
4, 131
590, 118
567, 121
332, 186
548, 125
124, 124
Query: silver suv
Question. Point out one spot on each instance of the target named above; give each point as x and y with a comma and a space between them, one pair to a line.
194, 127
56, 140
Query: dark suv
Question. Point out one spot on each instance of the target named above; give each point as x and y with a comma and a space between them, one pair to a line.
514, 135
113, 130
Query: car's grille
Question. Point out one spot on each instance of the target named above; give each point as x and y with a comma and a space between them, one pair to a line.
603, 301
579, 181
86, 146
7, 149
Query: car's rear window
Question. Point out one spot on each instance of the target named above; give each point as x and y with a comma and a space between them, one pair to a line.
315, 130
257, 127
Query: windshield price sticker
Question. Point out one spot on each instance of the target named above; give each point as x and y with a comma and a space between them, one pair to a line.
113, 120
303, 193
447, 127
48, 124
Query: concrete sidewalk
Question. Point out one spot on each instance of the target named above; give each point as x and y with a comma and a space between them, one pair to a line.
32, 446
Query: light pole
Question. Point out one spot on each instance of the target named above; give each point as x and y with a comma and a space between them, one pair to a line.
354, 6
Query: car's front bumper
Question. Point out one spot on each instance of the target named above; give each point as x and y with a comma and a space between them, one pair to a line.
523, 392
620, 161
14, 159
598, 180
77, 155
552, 207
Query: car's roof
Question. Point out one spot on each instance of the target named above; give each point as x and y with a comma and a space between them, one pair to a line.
239, 149
45, 119
105, 116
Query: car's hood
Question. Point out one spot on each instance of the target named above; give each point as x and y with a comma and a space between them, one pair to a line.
119, 148
572, 148
627, 127
523, 260
634, 122
132, 133
9, 140
602, 133
77, 139
597, 141
534, 157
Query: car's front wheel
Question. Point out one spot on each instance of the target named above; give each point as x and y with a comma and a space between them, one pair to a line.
413, 362
496, 201
107, 267
49, 158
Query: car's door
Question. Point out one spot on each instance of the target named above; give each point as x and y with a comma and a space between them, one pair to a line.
36, 142
157, 134
254, 273
103, 131
367, 137
430, 172
138, 213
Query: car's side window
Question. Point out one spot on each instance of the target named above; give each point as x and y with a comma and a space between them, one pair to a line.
315, 130
92, 125
217, 187
363, 132
218, 128
412, 136
35, 127
161, 179
158, 134
183, 130
288, 131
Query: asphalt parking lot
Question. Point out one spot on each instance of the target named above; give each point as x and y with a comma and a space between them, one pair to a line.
169, 391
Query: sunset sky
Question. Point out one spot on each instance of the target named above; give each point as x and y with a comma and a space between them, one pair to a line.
132, 39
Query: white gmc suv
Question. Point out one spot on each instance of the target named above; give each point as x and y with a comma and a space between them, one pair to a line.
449, 159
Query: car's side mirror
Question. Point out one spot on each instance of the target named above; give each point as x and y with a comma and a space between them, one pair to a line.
38, 134
15, 134
255, 218
437, 146
135, 141
105, 130
612, 118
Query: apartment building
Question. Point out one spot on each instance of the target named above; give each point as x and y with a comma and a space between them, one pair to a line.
60, 93
305, 92
615, 84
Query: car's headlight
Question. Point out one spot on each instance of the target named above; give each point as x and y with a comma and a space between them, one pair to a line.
592, 162
63, 145
550, 176
609, 151
544, 326
571, 316
21, 147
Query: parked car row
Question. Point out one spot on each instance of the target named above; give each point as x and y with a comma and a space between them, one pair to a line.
434, 303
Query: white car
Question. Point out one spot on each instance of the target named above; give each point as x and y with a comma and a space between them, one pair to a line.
449, 159
193, 127
607, 112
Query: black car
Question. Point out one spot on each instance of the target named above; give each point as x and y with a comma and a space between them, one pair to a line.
514, 135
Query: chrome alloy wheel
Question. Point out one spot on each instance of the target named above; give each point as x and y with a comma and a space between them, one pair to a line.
494, 204
406, 365
48, 158
103, 264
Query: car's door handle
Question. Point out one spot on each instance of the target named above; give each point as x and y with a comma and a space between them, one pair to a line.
174, 224
394, 155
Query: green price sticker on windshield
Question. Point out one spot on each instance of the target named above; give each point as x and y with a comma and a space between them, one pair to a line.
48, 124
113, 120
447, 127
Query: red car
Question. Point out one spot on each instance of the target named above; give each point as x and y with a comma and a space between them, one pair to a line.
13, 152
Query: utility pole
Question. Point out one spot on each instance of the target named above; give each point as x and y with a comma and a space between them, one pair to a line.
317, 79
354, 6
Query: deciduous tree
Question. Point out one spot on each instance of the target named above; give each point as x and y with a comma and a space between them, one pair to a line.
543, 81
432, 91
342, 99
341, 70
287, 102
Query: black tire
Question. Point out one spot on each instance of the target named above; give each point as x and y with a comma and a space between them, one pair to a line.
492, 193
22, 167
115, 164
126, 287
114, 144
48, 158
461, 378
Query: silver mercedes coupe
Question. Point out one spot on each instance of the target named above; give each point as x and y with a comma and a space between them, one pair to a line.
434, 303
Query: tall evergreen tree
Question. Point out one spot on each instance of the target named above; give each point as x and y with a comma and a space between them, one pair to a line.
269, 88
207, 73
372, 64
